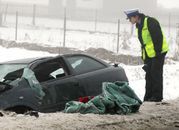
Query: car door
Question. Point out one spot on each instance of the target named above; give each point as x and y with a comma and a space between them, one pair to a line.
91, 72
61, 90
58, 84
94, 80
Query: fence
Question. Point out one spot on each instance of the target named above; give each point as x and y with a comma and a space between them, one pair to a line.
115, 37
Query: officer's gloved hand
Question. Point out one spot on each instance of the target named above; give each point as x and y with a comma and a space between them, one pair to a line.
145, 67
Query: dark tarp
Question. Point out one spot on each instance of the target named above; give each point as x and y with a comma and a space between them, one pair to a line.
116, 97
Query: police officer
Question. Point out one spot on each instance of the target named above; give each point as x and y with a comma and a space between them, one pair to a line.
154, 48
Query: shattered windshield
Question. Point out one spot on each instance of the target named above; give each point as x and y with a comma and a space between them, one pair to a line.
9, 71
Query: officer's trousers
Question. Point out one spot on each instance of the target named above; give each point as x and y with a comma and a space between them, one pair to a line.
154, 78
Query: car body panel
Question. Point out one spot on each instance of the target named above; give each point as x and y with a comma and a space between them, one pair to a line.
94, 80
62, 78
60, 91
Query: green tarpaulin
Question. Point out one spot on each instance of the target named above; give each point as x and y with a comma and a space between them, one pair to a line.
116, 97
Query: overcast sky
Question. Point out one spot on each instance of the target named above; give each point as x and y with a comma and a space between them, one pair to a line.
169, 3
42, 2
109, 10
164, 3
161, 3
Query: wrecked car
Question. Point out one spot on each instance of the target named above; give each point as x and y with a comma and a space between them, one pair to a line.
47, 84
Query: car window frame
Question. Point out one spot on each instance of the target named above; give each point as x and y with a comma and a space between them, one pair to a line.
86, 56
53, 59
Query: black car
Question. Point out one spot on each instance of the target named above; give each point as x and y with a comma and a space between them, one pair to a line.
46, 84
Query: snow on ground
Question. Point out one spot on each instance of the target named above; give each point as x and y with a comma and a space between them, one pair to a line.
81, 35
135, 74
15, 53
136, 77
150, 116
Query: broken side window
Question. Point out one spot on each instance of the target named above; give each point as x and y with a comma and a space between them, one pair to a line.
49, 71
29, 75
11, 72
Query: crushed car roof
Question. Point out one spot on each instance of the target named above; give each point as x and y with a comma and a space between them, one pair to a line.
29, 60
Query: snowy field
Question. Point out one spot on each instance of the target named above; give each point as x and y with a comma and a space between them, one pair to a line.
134, 73
81, 36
